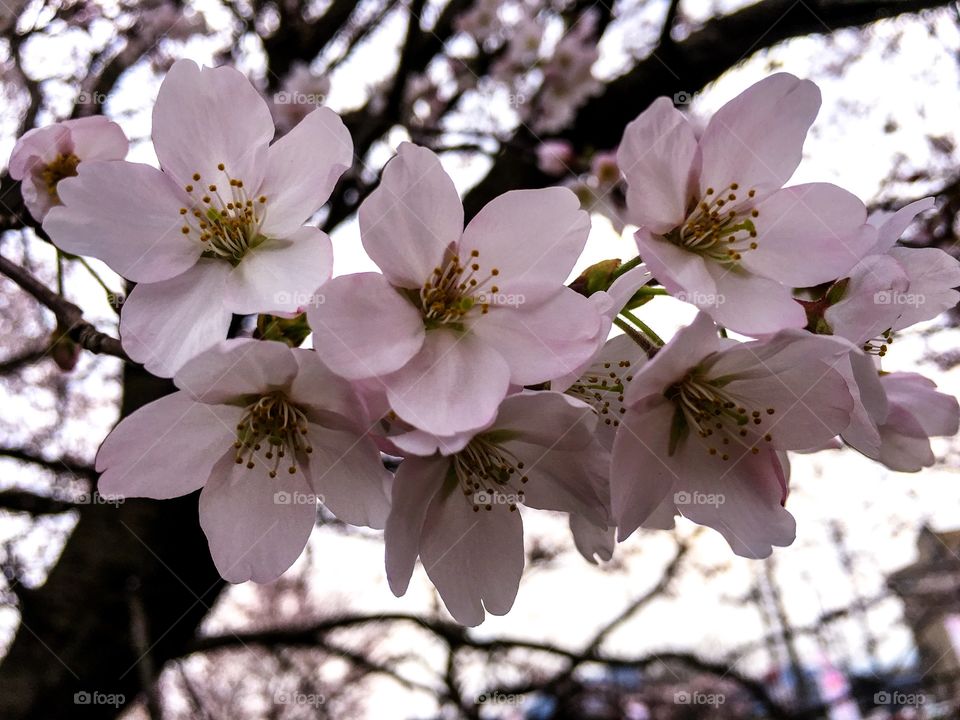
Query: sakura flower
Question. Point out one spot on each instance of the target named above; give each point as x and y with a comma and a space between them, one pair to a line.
265, 430
458, 315
715, 226
554, 157
457, 510
917, 413
707, 420
219, 230
45, 156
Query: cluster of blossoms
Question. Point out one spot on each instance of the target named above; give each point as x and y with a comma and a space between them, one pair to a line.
467, 356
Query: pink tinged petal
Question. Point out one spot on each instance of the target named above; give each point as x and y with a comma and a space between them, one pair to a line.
933, 275
417, 442
475, 559
545, 341
904, 447
327, 398
549, 419
663, 516
36, 148
206, 117
747, 507
811, 403
626, 286
302, 169
562, 480
347, 473
593, 542
892, 225
753, 305
936, 412
684, 351
869, 404
657, 156
532, 237
684, 274
868, 306
809, 234
256, 526
756, 139
127, 215
97, 138
417, 481
364, 328
468, 375
167, 448
232, 369
164, 324
642, 470
281, 275
412, 218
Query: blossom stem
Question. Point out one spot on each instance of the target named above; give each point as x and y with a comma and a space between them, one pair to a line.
646, 329
625, 267
644, 342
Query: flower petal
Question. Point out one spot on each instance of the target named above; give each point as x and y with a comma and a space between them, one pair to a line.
233, 368
683, 273
97, 138
756, 139
470, 376
657, 156
256, 526
164, 324
409, 221
593, 542
302, 169
892, 225
548, 419
753, 305
364, 328
531, 237
127, 215
817, 220
281, 275
933, 275
203, 118
166, 448
346, 471
546, 341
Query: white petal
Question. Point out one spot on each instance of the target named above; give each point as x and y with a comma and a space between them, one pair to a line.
234, 368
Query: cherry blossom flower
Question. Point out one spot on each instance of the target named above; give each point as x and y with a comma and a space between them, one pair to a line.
715, 226
917, 412
457, 509
458, 315
705, 425
45, 156
266, 431
219, 230
554, 157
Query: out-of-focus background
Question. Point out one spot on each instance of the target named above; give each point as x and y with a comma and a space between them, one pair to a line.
114, 609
